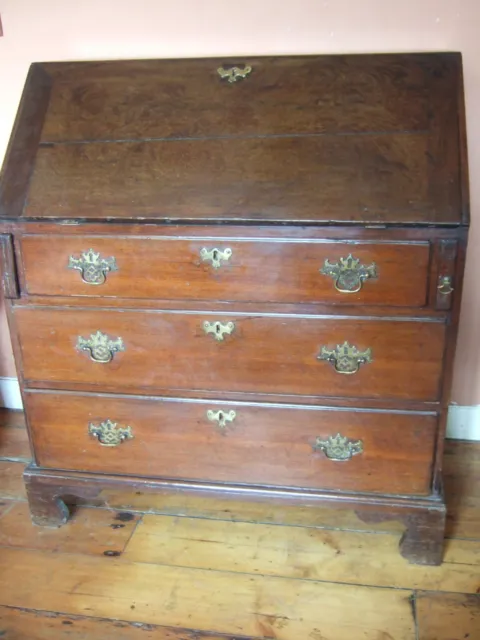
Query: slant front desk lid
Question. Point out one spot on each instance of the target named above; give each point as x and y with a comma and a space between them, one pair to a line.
356, 139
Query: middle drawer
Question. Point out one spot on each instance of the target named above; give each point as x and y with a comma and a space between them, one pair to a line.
277, 354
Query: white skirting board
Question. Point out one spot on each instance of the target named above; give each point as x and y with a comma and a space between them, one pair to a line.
463, 422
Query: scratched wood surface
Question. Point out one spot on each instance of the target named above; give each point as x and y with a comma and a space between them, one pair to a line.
203, 569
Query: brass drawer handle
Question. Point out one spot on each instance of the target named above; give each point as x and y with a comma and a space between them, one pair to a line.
345, 358
100, 347
109, 434
348, 273
234, 73
339, 448
445, 285
218, 329
92, 266
222, 418
215, 256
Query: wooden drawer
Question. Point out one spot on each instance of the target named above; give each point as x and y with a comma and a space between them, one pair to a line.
277, 354
262, 444
262, 270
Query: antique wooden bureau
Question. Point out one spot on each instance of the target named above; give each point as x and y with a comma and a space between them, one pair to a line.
239, 277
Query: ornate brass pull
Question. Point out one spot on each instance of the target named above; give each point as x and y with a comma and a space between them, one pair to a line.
348, 273
445, 285
345, 358
221, 417
339, 448
100, 346
218, 330
92, 267
109, 434
234, 73
215, 256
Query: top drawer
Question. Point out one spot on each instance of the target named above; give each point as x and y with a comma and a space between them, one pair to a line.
250, 270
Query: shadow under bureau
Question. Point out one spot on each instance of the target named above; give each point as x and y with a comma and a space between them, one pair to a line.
239, 277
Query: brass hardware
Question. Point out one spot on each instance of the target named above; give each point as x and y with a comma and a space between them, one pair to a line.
215, 256
217, 329
234, 73
108, 434
92, 267
445, 285
339, 448
100, 346
345, 358
221, 417
348, 273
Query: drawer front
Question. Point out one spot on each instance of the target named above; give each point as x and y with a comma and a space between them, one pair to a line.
264, 445
319, 356
204, 269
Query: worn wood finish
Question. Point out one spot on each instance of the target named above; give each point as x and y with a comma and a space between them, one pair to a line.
290, 271
23, 145
274, 355
296, 95
235, 179
19, 624
48, 492
306, 159
443, 616
155, 594
176, 439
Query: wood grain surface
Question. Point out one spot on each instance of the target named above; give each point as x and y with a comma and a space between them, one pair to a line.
264, 445
285, 271
276, 355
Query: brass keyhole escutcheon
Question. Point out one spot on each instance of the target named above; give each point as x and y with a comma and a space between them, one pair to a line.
233, 74
218, 329
221, 418
216, 256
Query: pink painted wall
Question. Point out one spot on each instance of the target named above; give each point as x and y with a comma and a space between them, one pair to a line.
97, 29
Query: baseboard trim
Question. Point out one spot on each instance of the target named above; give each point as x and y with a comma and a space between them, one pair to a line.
463, 422
10, 396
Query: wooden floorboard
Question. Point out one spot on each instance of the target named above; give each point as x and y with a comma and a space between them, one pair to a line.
163, 567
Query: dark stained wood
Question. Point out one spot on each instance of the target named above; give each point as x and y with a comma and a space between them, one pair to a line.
176, 439
20, 154
281, 96
313, 179
8, 268
306, 159
257, 271
46, 488
262, 354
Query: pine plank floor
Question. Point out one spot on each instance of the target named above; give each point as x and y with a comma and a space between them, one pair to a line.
164, 567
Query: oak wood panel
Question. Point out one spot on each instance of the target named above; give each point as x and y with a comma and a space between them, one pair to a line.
263, 271
248, 605
263, 445
352, 178
263, 354
290, 95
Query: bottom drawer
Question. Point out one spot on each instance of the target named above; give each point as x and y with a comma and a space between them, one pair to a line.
289, 446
